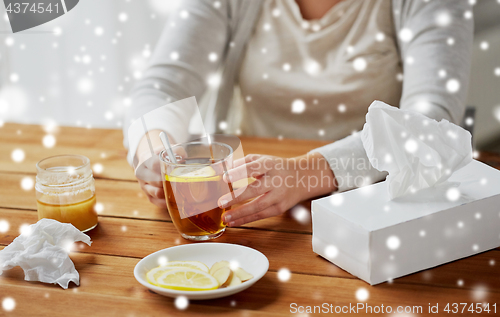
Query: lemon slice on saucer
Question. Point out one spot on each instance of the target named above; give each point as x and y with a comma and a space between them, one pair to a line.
188, 264
155, 273
185, 279
192, 174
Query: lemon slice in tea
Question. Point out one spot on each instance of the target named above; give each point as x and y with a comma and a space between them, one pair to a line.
192, 173
185, 279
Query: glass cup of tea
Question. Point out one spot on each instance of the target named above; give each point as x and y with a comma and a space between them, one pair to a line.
193, 186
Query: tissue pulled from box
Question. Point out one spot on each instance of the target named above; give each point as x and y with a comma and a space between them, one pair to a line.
416, 151
43, 252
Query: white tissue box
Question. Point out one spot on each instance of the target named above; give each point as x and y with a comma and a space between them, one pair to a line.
376, 239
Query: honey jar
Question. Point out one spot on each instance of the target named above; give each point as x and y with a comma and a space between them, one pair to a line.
65, 191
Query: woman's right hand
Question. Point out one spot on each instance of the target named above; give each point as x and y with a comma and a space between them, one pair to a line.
148, 171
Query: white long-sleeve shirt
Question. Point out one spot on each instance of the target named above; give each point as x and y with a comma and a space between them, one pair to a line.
204, 38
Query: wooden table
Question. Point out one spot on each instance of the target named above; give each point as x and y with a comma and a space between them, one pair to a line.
131, 228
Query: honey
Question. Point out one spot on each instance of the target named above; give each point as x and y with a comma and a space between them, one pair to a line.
65, 191
82, 214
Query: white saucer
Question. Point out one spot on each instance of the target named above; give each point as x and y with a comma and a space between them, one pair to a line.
252, 261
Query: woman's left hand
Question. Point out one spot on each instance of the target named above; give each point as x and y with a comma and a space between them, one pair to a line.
280, 184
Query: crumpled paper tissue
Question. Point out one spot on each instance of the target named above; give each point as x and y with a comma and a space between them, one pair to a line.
416, 151
43, 252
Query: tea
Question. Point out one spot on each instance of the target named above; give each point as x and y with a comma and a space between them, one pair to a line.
81, 214
192, 193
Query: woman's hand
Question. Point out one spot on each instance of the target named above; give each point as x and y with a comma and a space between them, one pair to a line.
280, 184
148, 172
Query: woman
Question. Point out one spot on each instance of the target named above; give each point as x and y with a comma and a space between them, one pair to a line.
304, 69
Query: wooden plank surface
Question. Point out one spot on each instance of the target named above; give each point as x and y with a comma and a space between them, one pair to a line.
130, 228
108, 278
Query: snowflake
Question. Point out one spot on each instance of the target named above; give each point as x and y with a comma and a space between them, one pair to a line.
25, 229
108, 115
181, 302
496, 112
379, 36
316, 27
14, 77
57, 31
362, 294
443, 19
4, 226
336, 199
174, 56
162, 261
287, 67
49, 141
450, 41
497, 71
405, 35
452, 85
298, 106
99, 207
184, 14
8, 304
422, 233
266, 27
85, 85
460, 282
124, 228
331, 252
27, 183
442, 73
223, 125
393, 242
479, 293
411, 146
301, 214
98, 168
321, 132
214, 80
9, 41
312, 67
468, 14
453, 194
469, 121
86, 59
122, 17
212, 57
284, 275
388, 158
484, 45
17, 155
276, 12
359, 64
217, 4
98, 31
